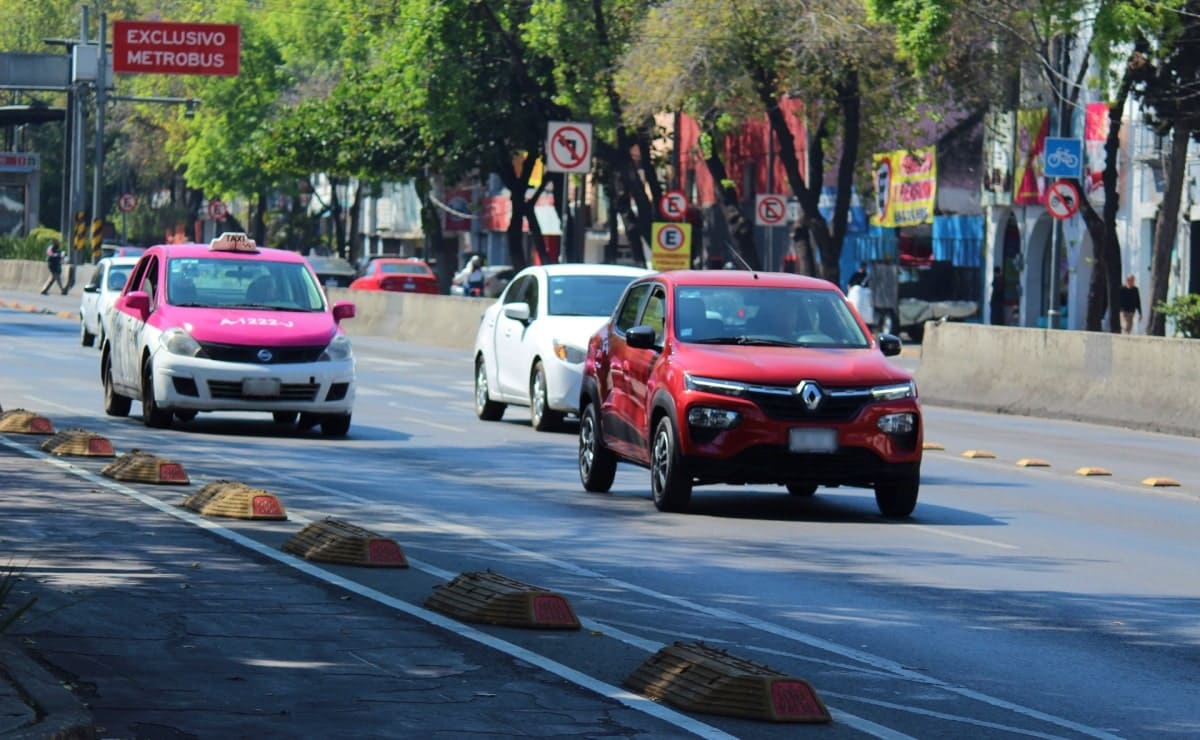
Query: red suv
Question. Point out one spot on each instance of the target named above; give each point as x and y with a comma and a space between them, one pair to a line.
747, 378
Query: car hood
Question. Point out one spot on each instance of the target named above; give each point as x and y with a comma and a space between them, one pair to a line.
574, 330
265, 328
789, 365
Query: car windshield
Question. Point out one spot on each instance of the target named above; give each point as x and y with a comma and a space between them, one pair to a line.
766, 316
585, 295
242, 283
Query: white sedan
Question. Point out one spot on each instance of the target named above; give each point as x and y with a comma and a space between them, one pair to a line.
532, 341
98, 295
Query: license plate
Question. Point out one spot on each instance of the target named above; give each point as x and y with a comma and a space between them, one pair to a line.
260, 387
330, 282
410, 286
808, 439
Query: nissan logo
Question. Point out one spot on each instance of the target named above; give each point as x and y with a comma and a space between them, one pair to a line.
264, 355
810, 393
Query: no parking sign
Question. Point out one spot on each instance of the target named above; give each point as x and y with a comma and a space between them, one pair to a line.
671, 246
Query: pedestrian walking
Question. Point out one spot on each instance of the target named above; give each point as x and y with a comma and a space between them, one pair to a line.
860, 276
54, 265
1130, 300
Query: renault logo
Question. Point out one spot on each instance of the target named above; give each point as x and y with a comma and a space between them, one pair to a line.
810, 393
264, 355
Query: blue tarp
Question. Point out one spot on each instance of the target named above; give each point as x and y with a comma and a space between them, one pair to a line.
958, 240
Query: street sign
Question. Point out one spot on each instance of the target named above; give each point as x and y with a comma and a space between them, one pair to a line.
177, 48
1064, 157
127, 202
671, 246
569, 147
216, 210
770, 210
1062, 199
673, 205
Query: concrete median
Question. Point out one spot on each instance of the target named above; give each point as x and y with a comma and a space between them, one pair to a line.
1130, 381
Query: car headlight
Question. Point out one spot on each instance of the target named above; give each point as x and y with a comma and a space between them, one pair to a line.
338, 349
569, 353
179, 342
894, 392
713, 385
711, 418
897, 423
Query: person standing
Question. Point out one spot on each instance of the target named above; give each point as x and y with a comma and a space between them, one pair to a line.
997, 300
1130, 300
54, 265
859, 276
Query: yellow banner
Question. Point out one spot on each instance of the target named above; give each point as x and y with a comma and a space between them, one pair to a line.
905, 187
670, 246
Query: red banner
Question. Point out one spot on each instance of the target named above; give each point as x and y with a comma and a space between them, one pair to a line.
176, 48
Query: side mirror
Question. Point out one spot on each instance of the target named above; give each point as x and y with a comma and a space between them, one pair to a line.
517, 311
89, 288
139, 302
343, 310
889, 345
640, 337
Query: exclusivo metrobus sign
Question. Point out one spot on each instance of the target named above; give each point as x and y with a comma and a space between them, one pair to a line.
160, 47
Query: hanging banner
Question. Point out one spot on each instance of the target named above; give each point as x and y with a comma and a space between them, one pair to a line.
998, 128
905, 187
1032, 127
1095, 134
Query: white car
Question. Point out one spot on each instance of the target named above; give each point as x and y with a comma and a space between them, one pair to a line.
532, 341
98, 295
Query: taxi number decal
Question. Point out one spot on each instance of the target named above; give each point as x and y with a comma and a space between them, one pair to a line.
258, 322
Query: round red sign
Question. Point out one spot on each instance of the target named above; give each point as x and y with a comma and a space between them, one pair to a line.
216, 210
1062, 199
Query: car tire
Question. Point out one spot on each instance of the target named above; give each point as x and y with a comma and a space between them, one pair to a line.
115, 404
597, 464
153, 415
541, 416
185, 415
670, 483
485, 408
335, 425
896, 499
86, 338
285, 418
802, 489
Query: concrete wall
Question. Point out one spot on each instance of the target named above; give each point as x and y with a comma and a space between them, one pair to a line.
1139, 382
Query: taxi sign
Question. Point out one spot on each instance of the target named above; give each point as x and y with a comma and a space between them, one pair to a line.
233, 241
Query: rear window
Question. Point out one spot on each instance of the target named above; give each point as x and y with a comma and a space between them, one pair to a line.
403, 268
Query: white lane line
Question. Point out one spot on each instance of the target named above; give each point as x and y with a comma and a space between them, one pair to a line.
944, 716
632, 701
386, 361
964, 537
427, 422
47, 402
397, 389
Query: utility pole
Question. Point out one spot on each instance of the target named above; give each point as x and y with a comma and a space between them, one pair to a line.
98, 159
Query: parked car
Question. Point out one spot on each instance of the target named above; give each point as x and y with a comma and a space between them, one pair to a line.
737, 377
332, 272
120, 250
401, 274
228, 326
530, 345
98, 295
495, 279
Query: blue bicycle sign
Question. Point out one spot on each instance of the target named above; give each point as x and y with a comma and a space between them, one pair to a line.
1064, 158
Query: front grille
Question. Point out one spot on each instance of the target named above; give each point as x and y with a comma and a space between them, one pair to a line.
226, 389
772, 464
249, 353
838, 404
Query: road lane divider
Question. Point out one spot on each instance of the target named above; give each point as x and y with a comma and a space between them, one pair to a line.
1091, 471
1032, 462
979, 455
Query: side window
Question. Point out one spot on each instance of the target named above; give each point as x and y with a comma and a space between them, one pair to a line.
531, 296
150, 280
94, 280
516, 291
139, 270
655, 313
629, 309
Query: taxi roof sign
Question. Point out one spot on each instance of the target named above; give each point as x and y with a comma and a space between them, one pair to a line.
233, 241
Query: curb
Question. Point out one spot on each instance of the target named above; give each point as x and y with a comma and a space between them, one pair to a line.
59, 714
29, 308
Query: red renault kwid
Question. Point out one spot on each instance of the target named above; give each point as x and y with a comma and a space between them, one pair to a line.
747, 378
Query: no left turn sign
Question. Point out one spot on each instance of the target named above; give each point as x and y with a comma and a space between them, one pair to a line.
770, 210
569, 147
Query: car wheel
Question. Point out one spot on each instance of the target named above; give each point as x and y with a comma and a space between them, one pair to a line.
543, 417
897, 499
670, 484
114, 403
802, 489
285, 418
185, 415
485, 407
335, 425
86, 338
597, 464
152, 415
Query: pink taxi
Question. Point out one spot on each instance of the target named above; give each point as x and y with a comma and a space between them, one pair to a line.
228, 326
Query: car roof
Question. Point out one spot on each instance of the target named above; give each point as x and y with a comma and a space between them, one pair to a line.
198, 251
587, 268
119, 261
743, 278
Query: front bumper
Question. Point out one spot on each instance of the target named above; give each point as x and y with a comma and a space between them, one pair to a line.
563, 381
201, 384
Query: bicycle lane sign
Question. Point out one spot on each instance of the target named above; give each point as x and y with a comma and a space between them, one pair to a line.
1064, 158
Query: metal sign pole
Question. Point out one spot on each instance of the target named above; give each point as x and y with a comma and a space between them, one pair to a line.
98, 160
1052, 314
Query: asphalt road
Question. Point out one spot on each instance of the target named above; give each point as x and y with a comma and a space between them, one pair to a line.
1018, 601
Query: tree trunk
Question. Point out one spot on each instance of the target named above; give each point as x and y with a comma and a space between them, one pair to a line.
517, 185
1106, 276
739, 227
347, 250
1166, 229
